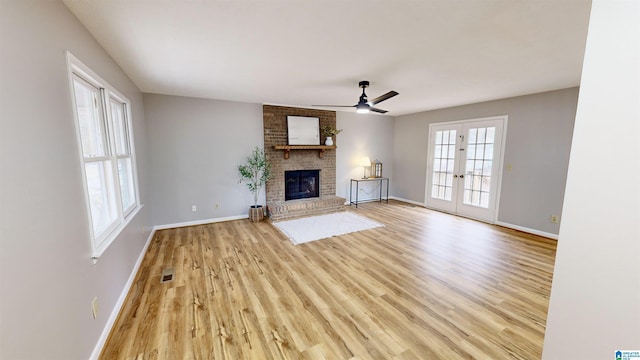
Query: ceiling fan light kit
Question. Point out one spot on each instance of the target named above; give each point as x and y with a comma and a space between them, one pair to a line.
362, 108
364, 105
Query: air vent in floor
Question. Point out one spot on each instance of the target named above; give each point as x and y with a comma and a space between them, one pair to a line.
167, 275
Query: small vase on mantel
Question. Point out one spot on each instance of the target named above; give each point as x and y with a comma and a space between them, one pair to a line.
329, 132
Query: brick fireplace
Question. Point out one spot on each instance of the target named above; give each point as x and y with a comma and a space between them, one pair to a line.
275, 134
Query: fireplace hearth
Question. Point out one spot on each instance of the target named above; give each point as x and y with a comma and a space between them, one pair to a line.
301, 184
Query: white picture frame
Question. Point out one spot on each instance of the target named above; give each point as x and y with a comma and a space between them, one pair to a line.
303, 130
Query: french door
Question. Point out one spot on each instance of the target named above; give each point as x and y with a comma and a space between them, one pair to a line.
464, 167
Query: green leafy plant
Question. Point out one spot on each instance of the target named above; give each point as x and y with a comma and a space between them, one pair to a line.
255, 172
329, 131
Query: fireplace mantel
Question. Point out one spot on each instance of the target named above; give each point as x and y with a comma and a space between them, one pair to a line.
288, 148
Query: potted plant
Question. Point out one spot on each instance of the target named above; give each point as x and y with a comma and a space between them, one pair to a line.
329, 133
255, 173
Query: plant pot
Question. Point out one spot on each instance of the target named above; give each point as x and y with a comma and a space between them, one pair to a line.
328, 141
256, 213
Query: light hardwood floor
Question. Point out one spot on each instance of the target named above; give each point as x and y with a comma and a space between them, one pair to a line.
426, 286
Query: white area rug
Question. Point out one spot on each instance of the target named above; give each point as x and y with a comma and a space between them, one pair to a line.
323, 226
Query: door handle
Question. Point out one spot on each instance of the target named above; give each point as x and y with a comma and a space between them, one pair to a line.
461, 176
455, 176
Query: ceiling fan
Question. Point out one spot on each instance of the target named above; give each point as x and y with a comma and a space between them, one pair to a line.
364, 105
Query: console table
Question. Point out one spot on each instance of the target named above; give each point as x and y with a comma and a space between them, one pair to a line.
357, 182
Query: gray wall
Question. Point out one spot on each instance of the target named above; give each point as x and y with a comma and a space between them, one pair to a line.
48, 280
197, 145
594, 308
539, 132
362, 135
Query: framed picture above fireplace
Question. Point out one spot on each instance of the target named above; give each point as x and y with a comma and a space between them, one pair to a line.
303, 130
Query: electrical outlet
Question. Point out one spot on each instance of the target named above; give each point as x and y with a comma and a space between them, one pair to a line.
194, 208
554, 219
94, 307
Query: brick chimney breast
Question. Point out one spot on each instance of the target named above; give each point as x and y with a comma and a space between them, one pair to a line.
275, 133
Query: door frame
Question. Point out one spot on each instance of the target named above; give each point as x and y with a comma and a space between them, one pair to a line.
499, 164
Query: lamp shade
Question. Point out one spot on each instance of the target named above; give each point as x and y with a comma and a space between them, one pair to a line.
365, 161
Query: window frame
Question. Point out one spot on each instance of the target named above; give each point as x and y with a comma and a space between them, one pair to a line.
128, 144
78, 71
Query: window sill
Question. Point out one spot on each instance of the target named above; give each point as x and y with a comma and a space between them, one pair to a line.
114, 234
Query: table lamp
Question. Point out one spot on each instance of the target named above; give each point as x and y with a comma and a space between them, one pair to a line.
365, 163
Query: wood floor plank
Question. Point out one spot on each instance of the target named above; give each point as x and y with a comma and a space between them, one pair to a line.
427, 285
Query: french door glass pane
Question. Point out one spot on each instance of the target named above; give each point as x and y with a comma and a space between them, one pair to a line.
479, 162
482, 132
92, 129
471, 151
119, 127
125, 174
488, 151
443, 162
101, 195
437, 151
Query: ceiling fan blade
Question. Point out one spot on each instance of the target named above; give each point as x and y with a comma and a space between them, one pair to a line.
384, 97
371, 108
336, 105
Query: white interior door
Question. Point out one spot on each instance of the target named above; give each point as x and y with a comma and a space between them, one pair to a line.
464, 167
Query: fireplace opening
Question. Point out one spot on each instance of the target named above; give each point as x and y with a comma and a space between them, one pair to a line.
301, 184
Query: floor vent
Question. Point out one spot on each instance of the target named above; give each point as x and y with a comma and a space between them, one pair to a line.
167, 275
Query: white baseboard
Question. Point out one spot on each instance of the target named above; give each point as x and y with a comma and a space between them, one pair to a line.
407, 201
528, 230
118, 305
366, 200
390, 198
200, 222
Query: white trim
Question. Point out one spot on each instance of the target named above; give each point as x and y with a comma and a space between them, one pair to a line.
113, 234
120, 303
528, 230
407, 201
76, 68
391, 198
503, 147
200, 222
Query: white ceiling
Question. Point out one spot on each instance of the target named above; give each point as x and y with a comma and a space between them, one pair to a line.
435, 53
